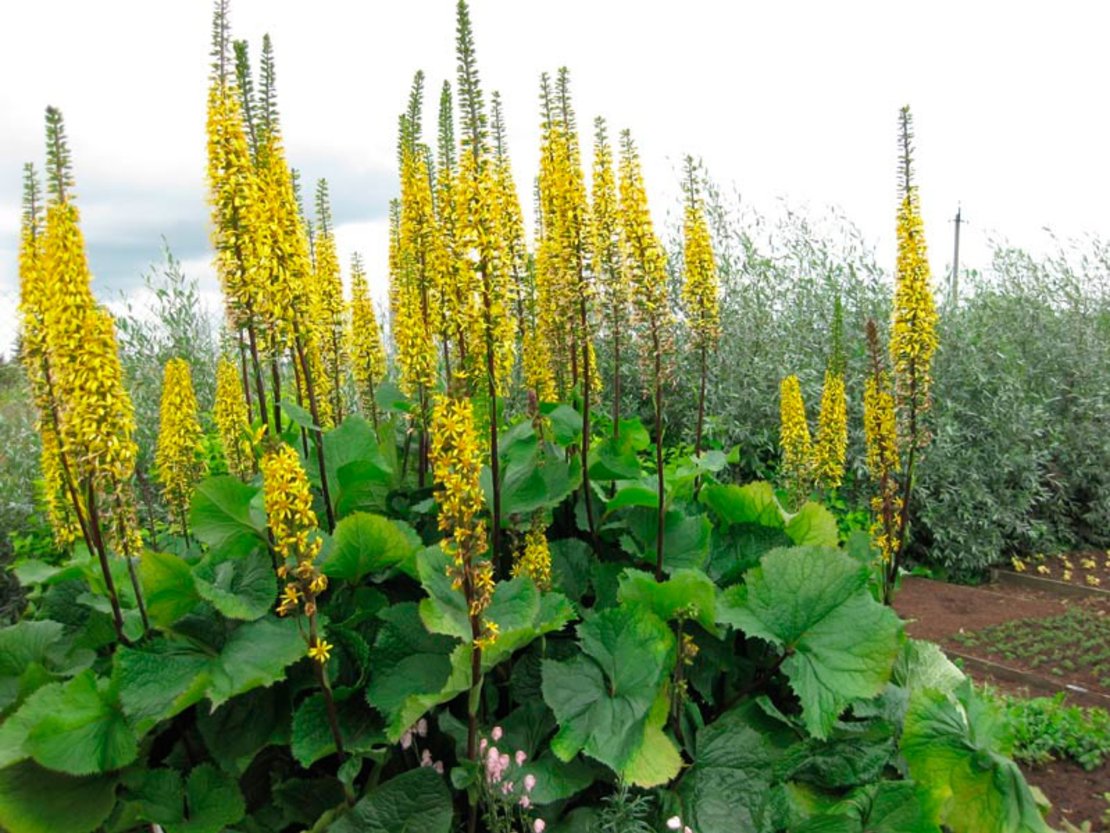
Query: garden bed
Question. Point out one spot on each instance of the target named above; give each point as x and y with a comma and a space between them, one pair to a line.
1075, 793
1087, 571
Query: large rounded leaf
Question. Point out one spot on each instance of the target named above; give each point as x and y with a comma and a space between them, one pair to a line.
812, 602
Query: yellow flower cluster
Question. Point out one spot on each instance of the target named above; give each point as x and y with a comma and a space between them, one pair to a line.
646, 264
913, 338
288, 503
233, 421
368, 363
457, 465
179, 456
419, 264
292, 521
565, 243
880, 431
831, 446
328, 308
699, 291
57, 499
536, 366
534, 560
797, 448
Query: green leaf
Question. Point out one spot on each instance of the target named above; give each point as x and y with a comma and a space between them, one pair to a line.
886, 807
602, 697
366, 544
168, 587
566, 423
753, 503
36, 800
558, 780
24, 651
954, 745
634, 494
411, 670
416, 801
571, 560
813, 526
239, 729
688, 593
87, 735
737, 548
812, 603
212, 800
445, 610
522, 614
42, 703
924, 665
685, 538
614, 460
728, 787
221, 516
312, 738
362, 485
352, 442
160, 679
239, 588
256, 654
301, 417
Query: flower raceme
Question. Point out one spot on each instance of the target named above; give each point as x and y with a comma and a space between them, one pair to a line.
797, 447
180, 452
457, 464
831, 445
233, 420
368, 362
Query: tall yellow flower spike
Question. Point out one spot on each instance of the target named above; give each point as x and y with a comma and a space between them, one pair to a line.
457, 465
534, 560
913, 338
797, 448
180, 453
57, 496
328, 308
701, 287
368, 361
883, 463
233, 420
831, 446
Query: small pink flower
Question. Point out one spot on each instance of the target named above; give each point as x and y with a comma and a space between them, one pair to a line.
422, 727
525, 802
482, 745
674, 823
506, 788
426, 758
496, 733
687, 830
504, 761
406, 740
438, 767
520, 757
539, 825
529, 782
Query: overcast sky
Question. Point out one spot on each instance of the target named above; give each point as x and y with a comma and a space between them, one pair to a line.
782, 99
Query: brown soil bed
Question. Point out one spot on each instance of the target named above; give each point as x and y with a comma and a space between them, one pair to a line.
1076, 794
943, 612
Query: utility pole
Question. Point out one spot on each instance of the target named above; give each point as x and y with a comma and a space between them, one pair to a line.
954, 283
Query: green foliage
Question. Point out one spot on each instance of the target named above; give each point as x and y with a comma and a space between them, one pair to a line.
1047, 729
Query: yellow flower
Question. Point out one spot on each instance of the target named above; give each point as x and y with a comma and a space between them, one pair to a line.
831, 446
534, 560
288, 503
233, 421
327, 308
700, 289
1044, 570
180, 454
1019, 565
797, 448
1067, 575
1087, 564
320, 650
1093, 581
880, 431
368, 363
913, 339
